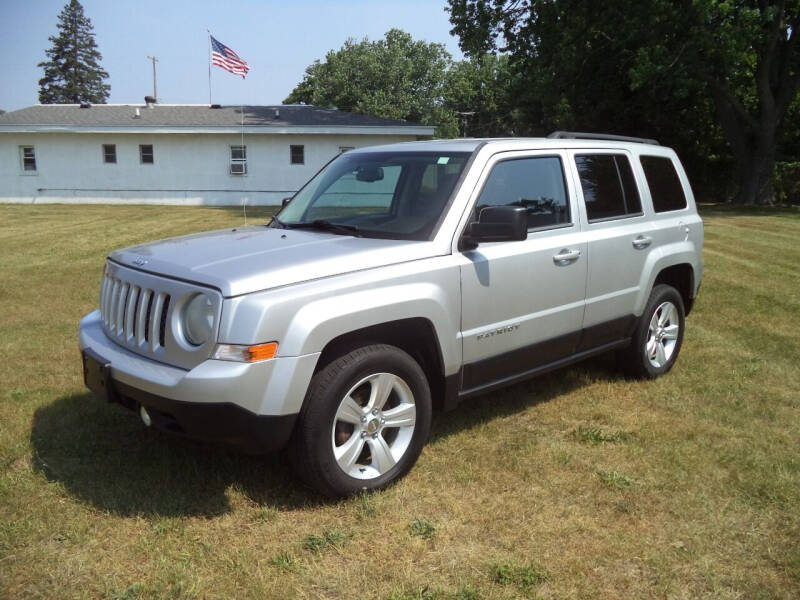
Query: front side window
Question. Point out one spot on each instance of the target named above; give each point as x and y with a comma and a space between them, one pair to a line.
536, 183
397, 195
238, 160
297, 155
110, 153
609, 188
146, 154
27, 155
665, 185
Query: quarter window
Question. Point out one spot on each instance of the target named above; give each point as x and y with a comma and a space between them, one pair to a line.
146, 154
238, 160
609, 188
665, 185
536, 183
28, 156
110, 153
297, 155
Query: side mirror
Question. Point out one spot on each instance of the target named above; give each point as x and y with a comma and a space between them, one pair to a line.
497, 224
285, 201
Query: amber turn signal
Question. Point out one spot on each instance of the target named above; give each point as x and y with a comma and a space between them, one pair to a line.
262, 351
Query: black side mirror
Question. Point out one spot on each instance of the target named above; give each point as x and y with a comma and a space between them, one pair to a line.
497, 224
285, 201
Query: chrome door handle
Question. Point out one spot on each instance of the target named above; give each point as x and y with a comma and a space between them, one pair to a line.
642, 241
566, 256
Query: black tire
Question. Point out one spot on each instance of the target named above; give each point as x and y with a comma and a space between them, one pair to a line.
311, 449
637, 360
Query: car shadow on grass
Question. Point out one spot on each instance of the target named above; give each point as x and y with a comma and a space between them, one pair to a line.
521, 396
103, 455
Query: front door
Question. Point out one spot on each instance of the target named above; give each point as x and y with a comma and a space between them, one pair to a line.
523, 302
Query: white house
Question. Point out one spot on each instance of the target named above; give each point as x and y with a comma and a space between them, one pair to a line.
177, 154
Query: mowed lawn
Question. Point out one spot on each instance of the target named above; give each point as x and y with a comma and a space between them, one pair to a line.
578, 484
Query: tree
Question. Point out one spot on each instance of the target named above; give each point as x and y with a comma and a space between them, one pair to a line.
484, 87
72, 74
394, 78
711, 66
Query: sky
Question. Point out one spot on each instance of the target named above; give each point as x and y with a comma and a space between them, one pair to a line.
278, 39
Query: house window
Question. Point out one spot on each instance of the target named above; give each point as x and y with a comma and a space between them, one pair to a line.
146, 154
28, 156
297, 155
109, 153
344, 149
238, 160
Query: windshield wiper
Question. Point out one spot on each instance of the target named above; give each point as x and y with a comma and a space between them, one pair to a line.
324, 225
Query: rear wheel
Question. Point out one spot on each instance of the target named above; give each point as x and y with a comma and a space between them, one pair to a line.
658, 336
365, 420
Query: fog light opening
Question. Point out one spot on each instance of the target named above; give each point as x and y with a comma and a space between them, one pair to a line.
145, 416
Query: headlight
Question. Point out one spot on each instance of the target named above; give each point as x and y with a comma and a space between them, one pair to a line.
198, 319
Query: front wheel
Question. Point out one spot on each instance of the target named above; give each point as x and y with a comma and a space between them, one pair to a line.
658, 336
364, 422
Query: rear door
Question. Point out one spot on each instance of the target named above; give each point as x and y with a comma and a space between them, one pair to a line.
522, 302
619, 235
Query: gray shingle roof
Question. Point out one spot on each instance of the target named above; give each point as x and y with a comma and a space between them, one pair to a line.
164, 115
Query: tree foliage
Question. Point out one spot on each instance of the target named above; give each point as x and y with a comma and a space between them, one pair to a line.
484, 87
690, 72
395, 78
72, 73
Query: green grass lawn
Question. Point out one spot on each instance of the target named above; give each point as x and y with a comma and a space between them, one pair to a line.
579, 484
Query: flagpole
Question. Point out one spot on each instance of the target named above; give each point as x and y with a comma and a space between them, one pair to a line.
209, 67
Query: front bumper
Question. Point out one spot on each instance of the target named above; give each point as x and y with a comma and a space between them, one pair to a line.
253, 406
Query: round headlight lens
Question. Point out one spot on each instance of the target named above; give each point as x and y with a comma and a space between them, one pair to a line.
198, 318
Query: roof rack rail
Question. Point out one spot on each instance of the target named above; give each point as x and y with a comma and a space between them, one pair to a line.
577, 135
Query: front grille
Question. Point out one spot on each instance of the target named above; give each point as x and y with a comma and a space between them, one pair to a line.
133, 315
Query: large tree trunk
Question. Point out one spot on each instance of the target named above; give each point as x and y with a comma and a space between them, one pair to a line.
755, 170
753, 144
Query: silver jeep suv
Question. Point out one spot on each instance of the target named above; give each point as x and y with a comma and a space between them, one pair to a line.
400, 279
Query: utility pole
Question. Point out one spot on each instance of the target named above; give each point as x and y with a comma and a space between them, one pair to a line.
155, 85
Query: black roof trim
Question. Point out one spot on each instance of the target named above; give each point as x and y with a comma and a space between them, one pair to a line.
577, 135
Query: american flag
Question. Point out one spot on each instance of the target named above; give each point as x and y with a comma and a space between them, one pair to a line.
224, 57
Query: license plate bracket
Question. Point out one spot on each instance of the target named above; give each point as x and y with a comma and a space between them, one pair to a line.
97, 375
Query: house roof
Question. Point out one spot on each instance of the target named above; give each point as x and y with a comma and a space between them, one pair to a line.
200, 118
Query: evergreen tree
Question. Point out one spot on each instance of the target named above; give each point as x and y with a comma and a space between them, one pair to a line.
73, 74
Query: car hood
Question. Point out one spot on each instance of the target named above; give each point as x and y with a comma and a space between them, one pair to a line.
248, 259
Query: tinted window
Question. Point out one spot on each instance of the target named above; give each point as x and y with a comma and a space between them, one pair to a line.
665, 185
609, 188
535, 183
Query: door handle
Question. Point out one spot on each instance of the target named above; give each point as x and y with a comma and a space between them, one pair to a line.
566, 256
642, 241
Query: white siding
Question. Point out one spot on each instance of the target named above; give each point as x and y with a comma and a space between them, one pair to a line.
187, 169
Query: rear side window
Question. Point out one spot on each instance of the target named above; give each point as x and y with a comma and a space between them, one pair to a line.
664, 183
536, 183
609, 188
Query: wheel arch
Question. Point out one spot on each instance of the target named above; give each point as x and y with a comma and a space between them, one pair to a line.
416, 336
681, 277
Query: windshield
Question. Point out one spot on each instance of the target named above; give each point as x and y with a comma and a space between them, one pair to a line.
398, 195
